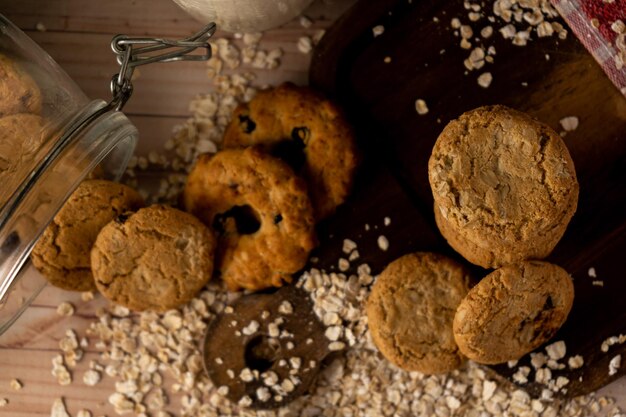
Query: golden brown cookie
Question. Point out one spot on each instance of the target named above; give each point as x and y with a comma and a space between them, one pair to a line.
157, 258
62, 253
411, 308
513, 311
261, 212
20, 139
504, 186
18, 91
301, 127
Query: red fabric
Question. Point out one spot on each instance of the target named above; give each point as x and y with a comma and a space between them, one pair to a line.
599, 41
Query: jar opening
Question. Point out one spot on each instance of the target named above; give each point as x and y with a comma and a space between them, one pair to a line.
102, 147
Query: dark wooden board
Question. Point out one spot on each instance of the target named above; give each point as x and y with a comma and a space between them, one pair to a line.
379, 98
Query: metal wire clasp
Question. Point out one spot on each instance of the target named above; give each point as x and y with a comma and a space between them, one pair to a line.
135, 51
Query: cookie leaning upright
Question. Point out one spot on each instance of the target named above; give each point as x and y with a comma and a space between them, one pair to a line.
504, 185
157, 258
19, 93
261, 212
308, 131
62, 253
411, 308
513, 311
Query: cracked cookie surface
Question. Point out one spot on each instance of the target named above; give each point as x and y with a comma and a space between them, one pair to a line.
274, 238
411, 308
18, 91
20, 139
157, 258
513, 311
62, 253
504, 186
308, 131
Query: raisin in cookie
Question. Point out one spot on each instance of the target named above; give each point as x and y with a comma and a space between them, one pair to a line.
18, 91
157, 258
62, 253
261, 212
301, 127
504, 186
411, 308
513, 311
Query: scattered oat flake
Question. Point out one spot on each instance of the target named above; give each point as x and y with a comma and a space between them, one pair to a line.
556, 350
16, 385
387, 59
378, 30
86, 296
387, 221
65, 309
58, 409
615, 364
91, 377
569, 124
285, 308
305, 45
575, 362
83, 413
484, 79
383, 243
348, 246
3, 402
343, 264
421, 107
592, 272
40, 27
597, 283
305, 22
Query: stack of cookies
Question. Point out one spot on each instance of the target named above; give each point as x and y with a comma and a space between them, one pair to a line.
505, 189
288, 161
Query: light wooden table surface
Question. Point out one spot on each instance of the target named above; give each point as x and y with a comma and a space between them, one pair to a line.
77, 36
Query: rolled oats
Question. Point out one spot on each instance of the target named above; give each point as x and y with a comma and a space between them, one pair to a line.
614, 364
378, 30
65, 309
383, 243
16, 384
569, 124
484, 79
421, 107
58, 409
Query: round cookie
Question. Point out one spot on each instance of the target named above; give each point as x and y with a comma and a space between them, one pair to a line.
411, 308
504, 186
513, 311
18, 91
62, 253
261, 212
157, 258
252, 346
298, 125
20, 138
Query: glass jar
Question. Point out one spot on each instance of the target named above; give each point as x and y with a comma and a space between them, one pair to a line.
51, 137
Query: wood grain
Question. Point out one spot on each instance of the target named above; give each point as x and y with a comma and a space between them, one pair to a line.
349, 64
